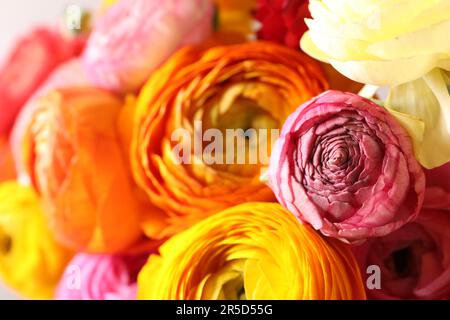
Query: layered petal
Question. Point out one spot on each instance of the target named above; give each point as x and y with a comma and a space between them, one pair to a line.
31, 261
236, 17
282, 21
414, 261
423, 108
68, 74
181, 155
134, 37
346, 166
29, 64
251, 251
74, 155
402, 44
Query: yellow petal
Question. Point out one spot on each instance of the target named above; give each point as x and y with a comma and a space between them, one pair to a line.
377, 20
31, 261
260, 247
308, 46
388, 72
424, 105
427, 41
380, 42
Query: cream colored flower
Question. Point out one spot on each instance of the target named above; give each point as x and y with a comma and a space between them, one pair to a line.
403, 44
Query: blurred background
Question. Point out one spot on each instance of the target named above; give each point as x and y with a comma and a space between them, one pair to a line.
18, 16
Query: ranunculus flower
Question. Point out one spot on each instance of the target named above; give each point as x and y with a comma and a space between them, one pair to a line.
247, 86
398, 43
282, 21
31, 261
76, 160
100, 277
439, 178
236, 17
68, 74
32, 59
251, 251
438, 187
345, 165
414, 260
134, 37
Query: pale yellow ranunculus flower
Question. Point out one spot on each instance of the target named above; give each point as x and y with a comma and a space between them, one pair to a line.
251, 251
404, 44
31, 261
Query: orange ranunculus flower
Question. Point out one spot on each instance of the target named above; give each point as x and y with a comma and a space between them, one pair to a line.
248, 86
251, 251
31, 261
75, 158
7, 169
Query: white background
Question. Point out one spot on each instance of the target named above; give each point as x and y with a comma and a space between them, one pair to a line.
19, 16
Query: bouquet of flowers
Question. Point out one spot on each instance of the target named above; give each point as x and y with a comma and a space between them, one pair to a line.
229, 149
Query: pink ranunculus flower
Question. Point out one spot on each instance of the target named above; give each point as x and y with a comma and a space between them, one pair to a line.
344, 165
414, 260
438, 187
68, 74
30, 62
135, 37
439, 178
100, 277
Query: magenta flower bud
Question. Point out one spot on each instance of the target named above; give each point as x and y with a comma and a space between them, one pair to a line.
346, 166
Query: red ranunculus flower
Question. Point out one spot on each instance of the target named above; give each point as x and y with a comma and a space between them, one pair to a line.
282, 21
32, 59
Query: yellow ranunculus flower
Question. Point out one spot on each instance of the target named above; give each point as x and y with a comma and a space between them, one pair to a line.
251, 251
31, 262
403, 44
236, 16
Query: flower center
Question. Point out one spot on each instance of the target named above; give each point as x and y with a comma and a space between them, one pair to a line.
339, 157
5, 242
234, 289
402, 262
246, 131
227, 283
